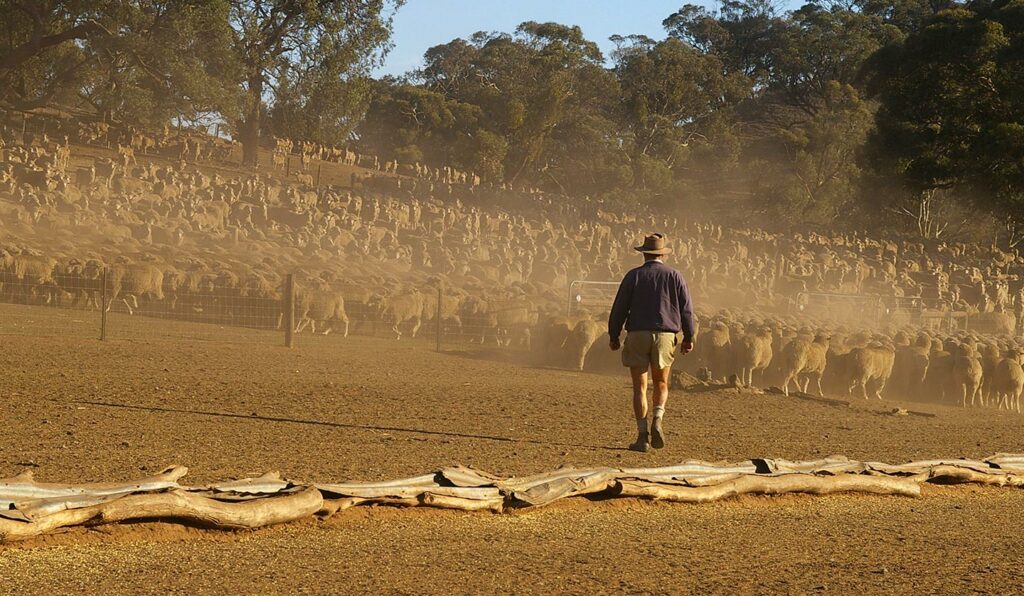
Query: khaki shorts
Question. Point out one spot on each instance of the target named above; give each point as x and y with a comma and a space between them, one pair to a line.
649, 348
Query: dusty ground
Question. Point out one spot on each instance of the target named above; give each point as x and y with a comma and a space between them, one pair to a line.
368, 409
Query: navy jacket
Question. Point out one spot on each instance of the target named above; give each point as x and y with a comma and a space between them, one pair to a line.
652, 297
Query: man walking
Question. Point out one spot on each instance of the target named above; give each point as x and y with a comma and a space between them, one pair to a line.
653, 302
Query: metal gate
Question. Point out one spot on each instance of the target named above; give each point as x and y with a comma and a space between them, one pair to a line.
594, 296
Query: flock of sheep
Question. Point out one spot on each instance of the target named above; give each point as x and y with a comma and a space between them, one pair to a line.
183, 236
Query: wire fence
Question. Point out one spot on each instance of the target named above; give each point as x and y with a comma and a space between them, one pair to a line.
134, 302
142, 302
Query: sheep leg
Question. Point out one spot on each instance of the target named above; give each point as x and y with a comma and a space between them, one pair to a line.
817, 378
345, 333
416, 327
862, 384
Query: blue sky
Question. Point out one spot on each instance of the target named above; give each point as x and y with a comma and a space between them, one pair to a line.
422, 24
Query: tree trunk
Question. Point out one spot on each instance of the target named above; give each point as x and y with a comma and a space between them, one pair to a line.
249, 133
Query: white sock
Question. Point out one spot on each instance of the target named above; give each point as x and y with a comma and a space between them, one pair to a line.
659, 412
641, 425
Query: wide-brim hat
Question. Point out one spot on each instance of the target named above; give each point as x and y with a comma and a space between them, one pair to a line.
654, 245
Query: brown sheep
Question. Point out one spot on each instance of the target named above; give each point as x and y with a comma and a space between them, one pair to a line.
715, 350
910, 368
31, 278
128, 283
450, 306
552, 332
580, 339
867, 366
320, 306
795, 356
939, 377
400, 309
753, 352
991, 356
967, 375
1007, 382
817, 362
261, 302
514, 322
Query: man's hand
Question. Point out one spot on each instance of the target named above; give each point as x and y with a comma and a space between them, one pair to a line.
615, 344
686, 347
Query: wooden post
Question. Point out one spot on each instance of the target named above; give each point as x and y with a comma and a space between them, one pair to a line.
289, 310
103, 305
287, 165
440, 297
319, 167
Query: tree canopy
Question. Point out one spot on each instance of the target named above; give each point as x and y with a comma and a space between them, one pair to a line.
838, 113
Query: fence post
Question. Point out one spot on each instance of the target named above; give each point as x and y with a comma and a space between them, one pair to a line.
289, 310
287, 165
103, 304
319, 167
440, 297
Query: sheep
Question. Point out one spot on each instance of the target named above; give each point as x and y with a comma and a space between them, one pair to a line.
868, 368
580, 339
29, 278
552, 334
1008, 382
400, 309
715, 349
910, 368
795, 357
320, 306
816, 362
753, 352
133, 281
967, 375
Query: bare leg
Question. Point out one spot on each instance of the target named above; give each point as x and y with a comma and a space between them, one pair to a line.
659, 376
639, 376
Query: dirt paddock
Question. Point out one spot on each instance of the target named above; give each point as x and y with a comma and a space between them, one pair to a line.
364, 409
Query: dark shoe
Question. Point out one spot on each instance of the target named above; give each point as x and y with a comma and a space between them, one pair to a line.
657, 434
641, 444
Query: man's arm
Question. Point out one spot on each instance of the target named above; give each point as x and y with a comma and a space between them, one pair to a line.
620, 308
685, 310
